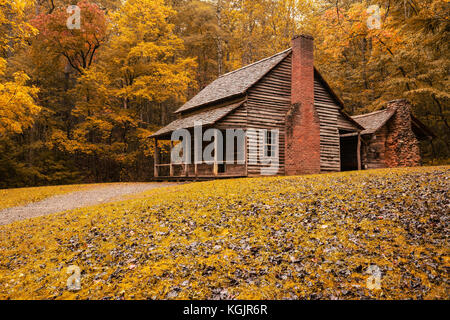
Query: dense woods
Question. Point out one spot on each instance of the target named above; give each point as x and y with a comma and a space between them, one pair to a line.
77, 105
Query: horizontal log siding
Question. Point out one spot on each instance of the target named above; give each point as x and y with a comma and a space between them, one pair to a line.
268, 102
236, 119
345, 124
328, 111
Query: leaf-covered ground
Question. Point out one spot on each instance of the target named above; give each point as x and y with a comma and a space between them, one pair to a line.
311, 237
20, 196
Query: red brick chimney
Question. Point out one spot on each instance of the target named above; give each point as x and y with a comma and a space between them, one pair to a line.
302, 123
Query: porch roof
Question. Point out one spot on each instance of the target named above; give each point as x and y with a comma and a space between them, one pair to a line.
208, 117
374, 120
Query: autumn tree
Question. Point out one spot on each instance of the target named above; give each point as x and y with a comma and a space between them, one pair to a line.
406, 56
260, 28
197, 23
18, 106
78, 46
140, 71
145, 59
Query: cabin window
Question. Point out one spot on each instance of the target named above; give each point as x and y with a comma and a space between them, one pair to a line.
269, 144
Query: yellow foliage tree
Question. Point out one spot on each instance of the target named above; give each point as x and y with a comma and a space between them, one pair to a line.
17, 100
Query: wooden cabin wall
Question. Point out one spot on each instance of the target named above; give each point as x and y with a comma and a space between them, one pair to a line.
268, 102
344, 124
237, 119
234, 120
328, 111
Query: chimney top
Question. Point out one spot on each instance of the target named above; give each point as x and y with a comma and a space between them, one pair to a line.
398, 103
399, 100
306, 36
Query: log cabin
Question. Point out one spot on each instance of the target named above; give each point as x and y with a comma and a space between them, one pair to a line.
286, 94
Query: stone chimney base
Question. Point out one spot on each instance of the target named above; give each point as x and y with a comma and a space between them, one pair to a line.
402, 146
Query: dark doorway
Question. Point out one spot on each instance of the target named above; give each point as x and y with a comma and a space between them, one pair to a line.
349, 158
222, 166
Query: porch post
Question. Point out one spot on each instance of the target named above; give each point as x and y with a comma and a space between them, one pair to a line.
171, 164
186, 162
246, 153
197, 145
156, 158
358, 151
216, 155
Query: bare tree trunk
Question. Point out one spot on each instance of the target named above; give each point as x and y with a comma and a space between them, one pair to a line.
219, 38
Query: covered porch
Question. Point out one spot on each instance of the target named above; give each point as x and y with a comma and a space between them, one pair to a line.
164, 167
190, 168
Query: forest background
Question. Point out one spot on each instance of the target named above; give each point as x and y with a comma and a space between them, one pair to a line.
78, 105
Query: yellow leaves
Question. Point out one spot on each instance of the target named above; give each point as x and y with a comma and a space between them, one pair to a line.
13, 25
17, 104
202, 234
261, 238
2, 66
223, 233
145, 54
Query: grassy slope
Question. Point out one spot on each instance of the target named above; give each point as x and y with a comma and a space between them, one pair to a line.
21, 196
276, 237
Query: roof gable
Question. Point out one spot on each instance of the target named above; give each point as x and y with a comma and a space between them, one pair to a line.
320, 78
234, 83
373, 121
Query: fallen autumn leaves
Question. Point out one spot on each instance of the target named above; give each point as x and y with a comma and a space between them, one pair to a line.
310, 237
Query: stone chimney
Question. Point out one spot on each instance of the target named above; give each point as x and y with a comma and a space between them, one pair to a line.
302, 123
402, 146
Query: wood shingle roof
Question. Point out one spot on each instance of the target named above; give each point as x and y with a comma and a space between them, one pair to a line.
208, 117
374, 120
234, 83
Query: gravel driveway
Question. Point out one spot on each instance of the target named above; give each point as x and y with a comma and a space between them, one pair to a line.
74, 200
